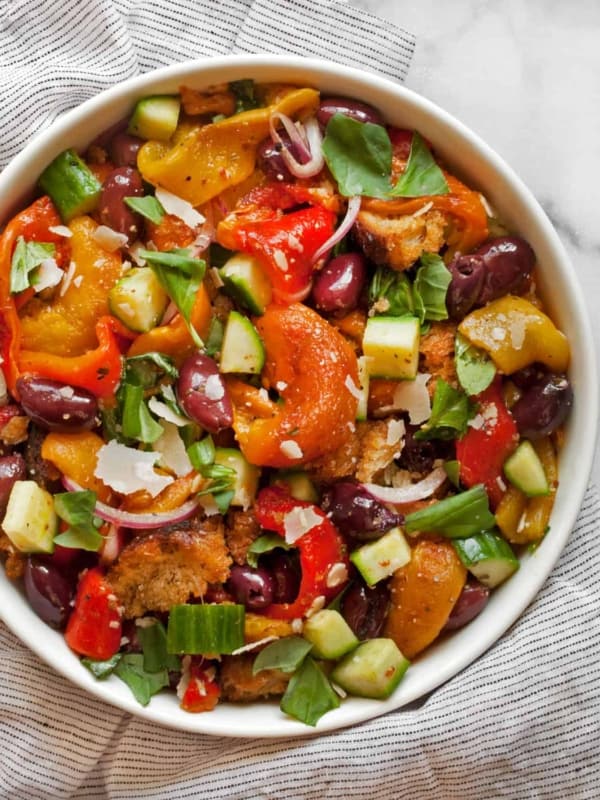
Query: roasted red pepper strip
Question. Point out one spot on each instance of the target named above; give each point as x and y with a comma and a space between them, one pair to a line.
202, 692
94, 627
320, 548
483, 450
98, 370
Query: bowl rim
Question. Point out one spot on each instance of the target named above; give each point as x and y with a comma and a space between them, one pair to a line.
446, 659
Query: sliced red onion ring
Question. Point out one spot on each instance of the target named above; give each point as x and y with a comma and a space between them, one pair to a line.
126, 519
342, 230
308, 146
408, 494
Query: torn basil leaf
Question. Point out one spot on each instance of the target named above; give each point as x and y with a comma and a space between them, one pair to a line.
285, 654
359, 156
77, 510
422, 177
457, 517
143, 684
309, 694
474, 368
265, 544
430, 288
27, 256
101, 669
450, 413
148, 206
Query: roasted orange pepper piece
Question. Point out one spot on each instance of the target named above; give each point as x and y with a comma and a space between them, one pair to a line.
75, 455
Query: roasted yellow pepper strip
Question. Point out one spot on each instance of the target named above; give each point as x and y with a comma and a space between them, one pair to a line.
509, 512
212, 157
515, 333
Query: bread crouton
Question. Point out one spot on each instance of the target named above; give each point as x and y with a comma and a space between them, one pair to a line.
14, 565
257, 627
239, 685
164, 568
398, 241
437, 354
241, 529
341, 463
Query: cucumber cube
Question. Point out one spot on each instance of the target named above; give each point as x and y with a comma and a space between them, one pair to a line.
245, 281
298, 484
374, 669
155, 117
138, 300
525, 471
488, 557
30, 521
245, 480
392, 347
329, 634
242, 349
380, 559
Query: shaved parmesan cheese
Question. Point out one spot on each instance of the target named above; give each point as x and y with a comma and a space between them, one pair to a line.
486, 205
61, 230
412, 396
352, 388
280, 259
179, 207
127, 470
48, 274
281, 386
108, 239
134, 250
291, 449
213, 388
423, 210
68, 277
317, 604
208, 504
298, 521
172, 450
253, 645
336, 575
163, 411
395, 431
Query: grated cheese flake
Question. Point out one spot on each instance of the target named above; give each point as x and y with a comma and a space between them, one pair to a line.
336, 575
61, 230
352, 388
298, 521
108, 239
178, 207
68, 277
127, 470
291, 449
253, 645
213, 388
171, 449
280, 259
48, 274
412, 396
164, 411
395, 431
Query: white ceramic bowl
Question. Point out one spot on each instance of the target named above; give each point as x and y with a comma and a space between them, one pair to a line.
474, 161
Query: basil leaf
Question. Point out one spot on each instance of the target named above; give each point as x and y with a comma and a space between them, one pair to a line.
137, 421
309, 694
202, 453
77, 510
422, 176
359, 156
390, 293
178, 260
223, 499
214, 340
147, 206
153, 639
264, 544
143, 684
27, 256
450, 412
474, 368
285, 654
102, 669
245, 95
163, 363
452, 469
430, 288
80, 539
457, 517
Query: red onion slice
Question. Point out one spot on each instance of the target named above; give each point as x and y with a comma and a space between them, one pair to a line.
306, 142
126, 519
339, 233
408, 494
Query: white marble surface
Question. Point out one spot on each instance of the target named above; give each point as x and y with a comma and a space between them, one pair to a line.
526, 77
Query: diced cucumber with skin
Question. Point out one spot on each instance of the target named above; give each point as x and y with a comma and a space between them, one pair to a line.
329, 634
245, 281
242, 349
525, 471
245, 481
363, 387
155, 117
138, 300
488, 557
374, 669
71, 185
381, 558
30, 521
392, 347
298, 484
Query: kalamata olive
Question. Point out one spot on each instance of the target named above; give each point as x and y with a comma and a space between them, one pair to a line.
500, 266
284, 568
250, 586
418, 455
202, 393
543, 407
48, 592
121, 183
355, 512
57, 406
338, 285
12, 468
360, 112
471, 601
124, 149
364, 608
270, 160
528, 376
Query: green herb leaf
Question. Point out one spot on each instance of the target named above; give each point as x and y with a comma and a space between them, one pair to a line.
264, 544
153, 639
147, 206
159, 363
309, 694
430, 288
285, 654
143, 684
102, 669
475, 369
359, 156
245, 95
223, 499
452, 469
457, 517
77, 510
390, 293
137, 421
451, 410
214, 340
27, 256
422, 176
202, 453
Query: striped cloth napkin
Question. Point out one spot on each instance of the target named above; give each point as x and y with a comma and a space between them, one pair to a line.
522, 722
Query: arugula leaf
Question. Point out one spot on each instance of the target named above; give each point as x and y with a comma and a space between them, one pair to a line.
214, 340
422, 176
180, 276
143, 684
102, 669
390, 293
430, 288
27, 256
163, 363
450, 412
77, 510
285, 654
153, 639
137, 422
457, 517
359, 156
148, 206
245, 95
309, 694
265, 544
474, 368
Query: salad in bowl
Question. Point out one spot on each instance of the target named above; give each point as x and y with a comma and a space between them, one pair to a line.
283, 402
